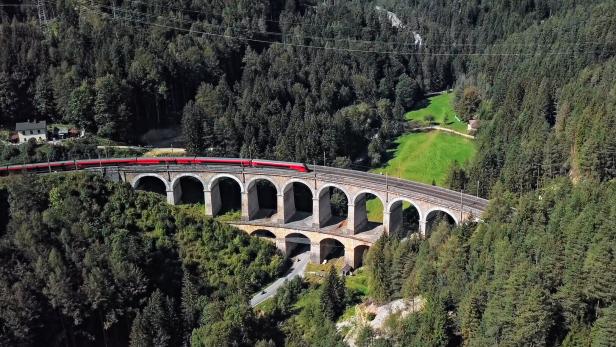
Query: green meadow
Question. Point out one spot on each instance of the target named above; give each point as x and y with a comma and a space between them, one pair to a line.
439, 107
426, 156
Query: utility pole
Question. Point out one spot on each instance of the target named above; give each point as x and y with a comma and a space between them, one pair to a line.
243, 171
42, 12
477, 195
314, 164
461, 205
114, 10
386, 190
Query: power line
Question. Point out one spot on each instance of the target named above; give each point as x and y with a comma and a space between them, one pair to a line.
168, 6
349, 40
351, 50
282, 35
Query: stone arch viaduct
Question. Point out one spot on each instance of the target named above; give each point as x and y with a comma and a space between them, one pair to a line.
311, 222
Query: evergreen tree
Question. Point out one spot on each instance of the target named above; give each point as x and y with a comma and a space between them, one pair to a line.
191, 304
604, 329
43, 98
111, 115
81, 107
192, 128
8, 100
379, 275
407, 92
332, 300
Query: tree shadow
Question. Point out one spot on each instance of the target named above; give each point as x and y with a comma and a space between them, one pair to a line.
423, 103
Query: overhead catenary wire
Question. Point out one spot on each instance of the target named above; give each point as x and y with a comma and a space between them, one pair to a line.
349, 40
454, 44
333, 48
261, 32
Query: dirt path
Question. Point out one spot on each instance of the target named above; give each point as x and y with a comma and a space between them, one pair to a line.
439, 128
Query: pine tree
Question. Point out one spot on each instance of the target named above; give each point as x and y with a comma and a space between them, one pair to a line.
600, 276
155, 324
8, 100
332, 300
81, 107
192, 129
43, 98
190, 306
407, 92
378, 271
533, 319
603, 332
111, 115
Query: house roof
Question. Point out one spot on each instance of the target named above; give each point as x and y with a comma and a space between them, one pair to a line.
31, 126
474, 123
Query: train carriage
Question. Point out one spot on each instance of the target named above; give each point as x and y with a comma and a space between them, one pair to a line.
120, 162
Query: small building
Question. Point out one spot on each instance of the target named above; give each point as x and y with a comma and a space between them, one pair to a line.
62, 133
473, 125
31, 130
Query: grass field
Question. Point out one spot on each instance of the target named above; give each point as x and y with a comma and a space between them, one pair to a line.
425, 157
440, 107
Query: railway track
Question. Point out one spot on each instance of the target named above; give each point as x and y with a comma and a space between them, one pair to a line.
367, 180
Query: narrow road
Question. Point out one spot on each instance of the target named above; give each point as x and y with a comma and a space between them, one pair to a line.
297, 269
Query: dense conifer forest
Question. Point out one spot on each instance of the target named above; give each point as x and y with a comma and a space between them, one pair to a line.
89, 262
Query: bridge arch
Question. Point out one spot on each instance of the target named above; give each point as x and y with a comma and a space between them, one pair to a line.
358, 213
334, 185
330, 248
254, 181
225, 194
327, 213
401, 218
359, 252
296, 201
296, 243
262, 198
151, 182
188, 188
218, 177
288, 184
444, 210
437, 213
264, 234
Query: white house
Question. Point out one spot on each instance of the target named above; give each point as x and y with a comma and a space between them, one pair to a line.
32, 130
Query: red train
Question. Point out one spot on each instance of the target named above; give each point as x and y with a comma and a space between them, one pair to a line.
92, 163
